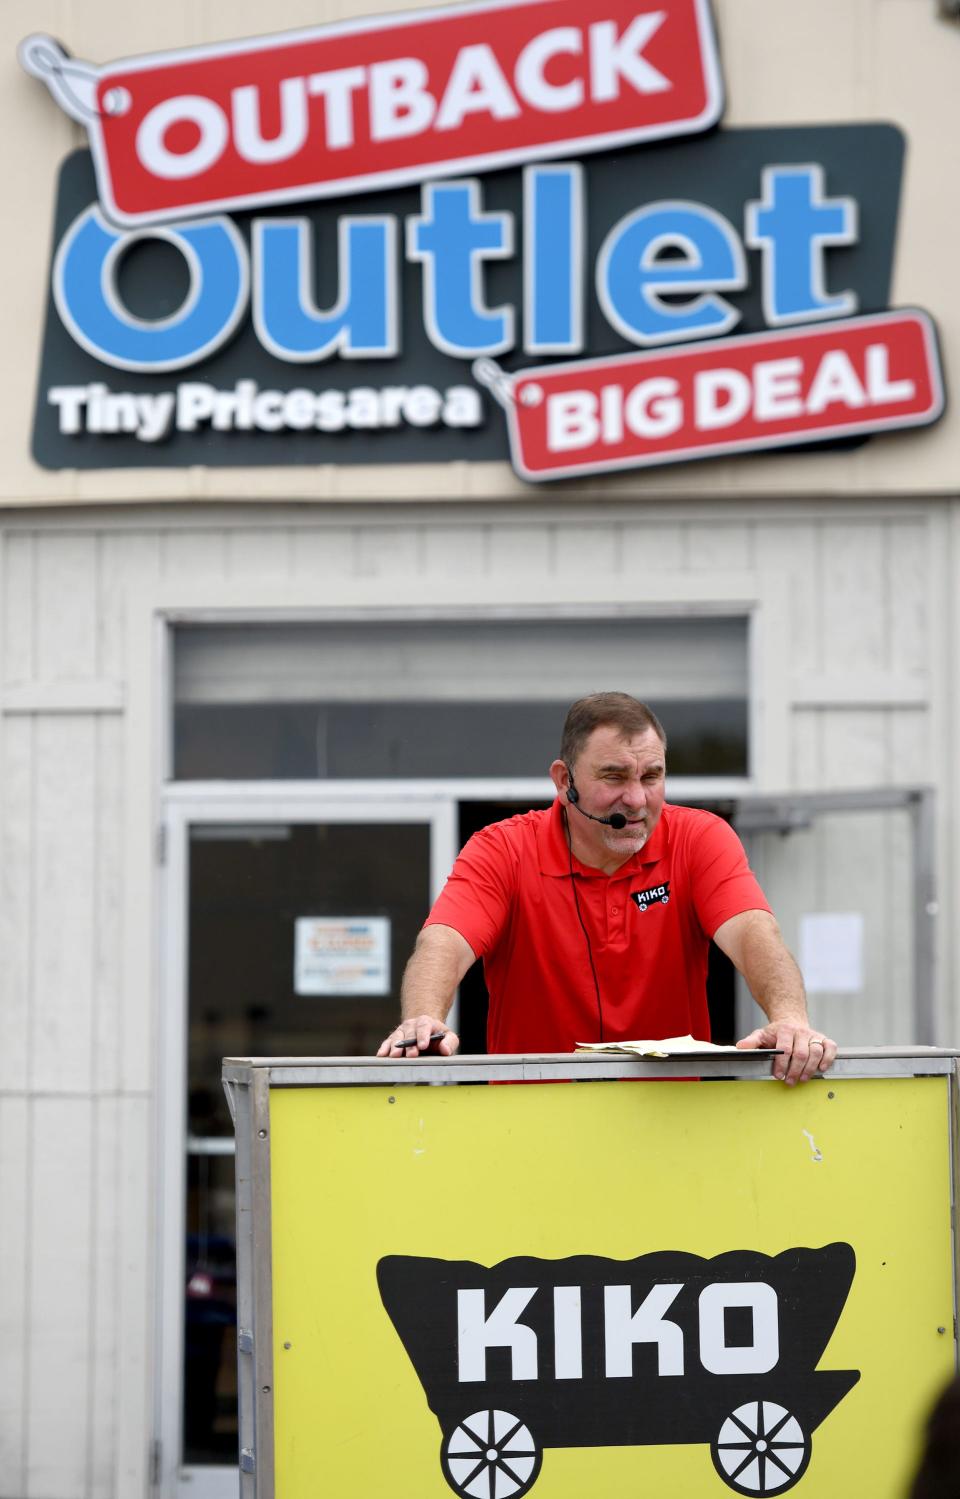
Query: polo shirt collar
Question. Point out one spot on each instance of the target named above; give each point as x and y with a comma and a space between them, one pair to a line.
555, 854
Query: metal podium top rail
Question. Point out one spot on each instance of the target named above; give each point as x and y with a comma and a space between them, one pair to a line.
328, 1072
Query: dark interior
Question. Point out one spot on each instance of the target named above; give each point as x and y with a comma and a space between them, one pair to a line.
248, 886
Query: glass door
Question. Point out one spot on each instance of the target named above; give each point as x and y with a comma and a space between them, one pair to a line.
288, 921
851, 876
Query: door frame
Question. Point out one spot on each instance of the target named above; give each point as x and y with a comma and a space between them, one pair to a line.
246, 803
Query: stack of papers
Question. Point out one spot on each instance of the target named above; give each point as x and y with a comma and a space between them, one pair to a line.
670, 1046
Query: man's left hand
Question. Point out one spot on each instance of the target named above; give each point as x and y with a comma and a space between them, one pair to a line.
806, 1052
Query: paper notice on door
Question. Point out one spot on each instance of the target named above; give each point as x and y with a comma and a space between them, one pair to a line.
831, 952
342, 955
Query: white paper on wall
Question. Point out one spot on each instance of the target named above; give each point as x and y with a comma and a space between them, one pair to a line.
831, 952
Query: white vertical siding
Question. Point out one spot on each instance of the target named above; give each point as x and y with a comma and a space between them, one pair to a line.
127, 563
854, 602
329, 549
649, 544
716, 545
189, 553
109, 1009
794, 551
59, 1298
806, 750
134, 1306
518, 551
62, 1010
65, 605
456, 551
908, 581
590, 550
16, 903
17, 601
14, 1281
264, 553
389, 552
862, 659
105, 1276
60, 1002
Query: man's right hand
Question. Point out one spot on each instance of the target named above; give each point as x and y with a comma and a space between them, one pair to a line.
420, 1034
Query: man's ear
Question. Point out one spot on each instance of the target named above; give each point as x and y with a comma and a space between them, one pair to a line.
560, 776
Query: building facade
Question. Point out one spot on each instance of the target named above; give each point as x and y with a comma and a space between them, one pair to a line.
256, 684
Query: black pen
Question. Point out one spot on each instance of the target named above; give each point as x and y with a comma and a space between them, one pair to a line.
434, 1036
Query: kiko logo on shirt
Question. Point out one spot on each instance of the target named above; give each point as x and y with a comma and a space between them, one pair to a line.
645, 898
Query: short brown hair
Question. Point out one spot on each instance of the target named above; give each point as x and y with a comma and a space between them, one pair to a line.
615, 710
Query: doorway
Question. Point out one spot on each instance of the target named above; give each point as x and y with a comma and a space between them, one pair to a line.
289, 919
289, 911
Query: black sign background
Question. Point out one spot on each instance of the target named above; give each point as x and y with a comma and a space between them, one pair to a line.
721, 170
420, 1297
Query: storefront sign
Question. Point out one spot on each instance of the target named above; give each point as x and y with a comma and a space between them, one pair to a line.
677, 280
250, 339
861, 375
364, 104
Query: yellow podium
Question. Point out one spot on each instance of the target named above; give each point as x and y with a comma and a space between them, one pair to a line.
620, 1283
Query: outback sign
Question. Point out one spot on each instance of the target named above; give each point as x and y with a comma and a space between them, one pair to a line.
483, 231
372, 103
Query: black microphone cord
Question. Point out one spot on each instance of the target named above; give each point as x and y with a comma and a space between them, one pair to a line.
586, 934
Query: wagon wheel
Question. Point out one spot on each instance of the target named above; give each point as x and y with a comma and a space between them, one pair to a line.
490, 1455
761, 1449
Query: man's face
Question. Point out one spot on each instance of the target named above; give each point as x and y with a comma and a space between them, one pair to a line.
617, 774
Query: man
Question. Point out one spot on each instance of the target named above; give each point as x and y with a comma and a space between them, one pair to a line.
594, 918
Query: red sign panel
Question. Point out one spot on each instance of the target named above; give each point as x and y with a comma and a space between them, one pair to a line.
362, 104
733, 395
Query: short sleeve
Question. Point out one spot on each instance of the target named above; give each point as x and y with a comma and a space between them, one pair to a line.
721, 880
478, 897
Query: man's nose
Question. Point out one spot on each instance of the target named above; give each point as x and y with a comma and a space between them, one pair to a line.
635, 794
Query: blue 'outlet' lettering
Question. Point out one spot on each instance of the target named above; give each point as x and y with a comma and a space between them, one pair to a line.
659, 275
792, 224
553, 259
452, 239
85, 292
633, 275
363, 322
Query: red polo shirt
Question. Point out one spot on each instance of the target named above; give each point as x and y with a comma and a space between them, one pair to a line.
510, 894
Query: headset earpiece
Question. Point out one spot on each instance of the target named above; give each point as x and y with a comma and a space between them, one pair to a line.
573, 794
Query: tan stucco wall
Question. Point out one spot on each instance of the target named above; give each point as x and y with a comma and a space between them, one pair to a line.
823, 61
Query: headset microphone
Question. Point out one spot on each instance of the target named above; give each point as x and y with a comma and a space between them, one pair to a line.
615, 820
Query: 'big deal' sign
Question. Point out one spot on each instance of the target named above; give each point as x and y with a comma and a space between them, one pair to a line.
395, 99
733, 395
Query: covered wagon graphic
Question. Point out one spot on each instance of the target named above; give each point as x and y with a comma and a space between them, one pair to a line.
591, 1352
644, 898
